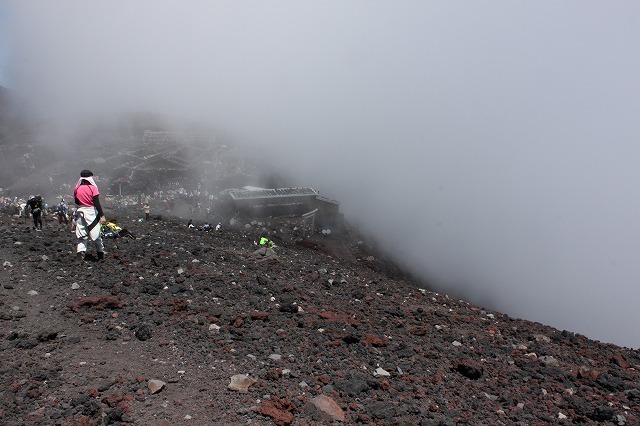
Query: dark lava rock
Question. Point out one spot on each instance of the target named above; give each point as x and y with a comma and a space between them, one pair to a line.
113, 416
112, 335
153, 289
106, 385
353, 387
47, 335
80, 400
603, 414
469, 369
610, 382
27, 343
633, 394
383, 410
289, 308
143, 332
72, 339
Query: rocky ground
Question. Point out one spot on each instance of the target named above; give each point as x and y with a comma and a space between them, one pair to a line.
185, 327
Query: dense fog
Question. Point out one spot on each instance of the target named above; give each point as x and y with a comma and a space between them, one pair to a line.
491, 147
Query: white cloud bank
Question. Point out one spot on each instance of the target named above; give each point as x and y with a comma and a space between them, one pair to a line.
492, 146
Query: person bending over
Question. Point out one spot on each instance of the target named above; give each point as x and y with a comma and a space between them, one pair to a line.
36, 205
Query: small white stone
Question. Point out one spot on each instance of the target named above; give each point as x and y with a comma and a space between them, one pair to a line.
241, 382
456, 343
155, 385
75, 286
32, 293
561, 416
275, 357
214, 328
381, 372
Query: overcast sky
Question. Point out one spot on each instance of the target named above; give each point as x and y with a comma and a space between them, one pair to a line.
492, 146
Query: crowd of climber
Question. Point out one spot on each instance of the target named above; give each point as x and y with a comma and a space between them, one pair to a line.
87, 220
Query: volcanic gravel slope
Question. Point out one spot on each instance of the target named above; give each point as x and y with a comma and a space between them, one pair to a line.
323, 334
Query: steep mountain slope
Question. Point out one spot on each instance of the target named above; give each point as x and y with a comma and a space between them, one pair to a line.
154, 334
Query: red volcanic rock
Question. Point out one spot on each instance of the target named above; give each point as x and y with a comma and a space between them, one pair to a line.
620, 361
112, 400
238, 321
370, 339
279, 410
262, 316
96, 302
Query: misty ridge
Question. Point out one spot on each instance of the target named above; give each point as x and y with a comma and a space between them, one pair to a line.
490, 149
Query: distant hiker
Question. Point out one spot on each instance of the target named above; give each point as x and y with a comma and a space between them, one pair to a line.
62, 211
206, 227
147, 210
89, 215
36, 205
219, 227
190, 224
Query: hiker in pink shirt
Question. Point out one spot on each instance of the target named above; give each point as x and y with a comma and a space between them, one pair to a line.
89, 216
